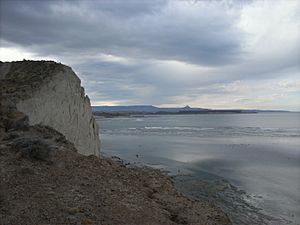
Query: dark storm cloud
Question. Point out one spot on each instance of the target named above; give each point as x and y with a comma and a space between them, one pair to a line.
140, 29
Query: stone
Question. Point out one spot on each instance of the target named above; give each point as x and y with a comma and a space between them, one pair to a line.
32, 148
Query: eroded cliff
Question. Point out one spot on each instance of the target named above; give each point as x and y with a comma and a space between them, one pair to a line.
43, 179
50, 94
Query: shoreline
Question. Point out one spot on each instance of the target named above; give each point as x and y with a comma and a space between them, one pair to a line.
209, 188
243, 204
46, 176
45, 181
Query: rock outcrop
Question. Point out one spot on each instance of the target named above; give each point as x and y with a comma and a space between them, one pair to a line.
50, 94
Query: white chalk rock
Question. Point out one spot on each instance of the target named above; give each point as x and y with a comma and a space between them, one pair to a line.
59, 101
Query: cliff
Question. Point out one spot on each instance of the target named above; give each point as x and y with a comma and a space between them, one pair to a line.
44, 180
50, 94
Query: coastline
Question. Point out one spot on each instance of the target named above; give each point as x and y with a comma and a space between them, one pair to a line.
48, 176
45, 181
217, 161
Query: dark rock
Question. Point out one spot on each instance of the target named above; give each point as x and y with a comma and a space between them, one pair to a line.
33, 148
26, 171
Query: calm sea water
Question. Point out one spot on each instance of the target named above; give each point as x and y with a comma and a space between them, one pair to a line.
248, 164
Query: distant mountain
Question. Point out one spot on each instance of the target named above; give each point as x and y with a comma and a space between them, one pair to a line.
143, 109
150, 109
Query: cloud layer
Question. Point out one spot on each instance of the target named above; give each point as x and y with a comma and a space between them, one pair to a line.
204, 53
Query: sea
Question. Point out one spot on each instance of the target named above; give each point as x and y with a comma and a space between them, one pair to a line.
246, 164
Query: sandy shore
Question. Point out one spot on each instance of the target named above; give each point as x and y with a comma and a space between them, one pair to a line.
45, 181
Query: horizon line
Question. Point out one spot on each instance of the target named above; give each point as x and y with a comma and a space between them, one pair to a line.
285, 110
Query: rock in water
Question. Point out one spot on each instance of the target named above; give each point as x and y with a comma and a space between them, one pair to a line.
50, 93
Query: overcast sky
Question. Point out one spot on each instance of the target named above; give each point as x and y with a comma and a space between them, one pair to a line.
215, 54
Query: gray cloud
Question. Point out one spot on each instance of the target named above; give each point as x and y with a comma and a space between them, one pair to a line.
141, 29
163, 52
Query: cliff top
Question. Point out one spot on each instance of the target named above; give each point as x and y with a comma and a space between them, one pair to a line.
20, 78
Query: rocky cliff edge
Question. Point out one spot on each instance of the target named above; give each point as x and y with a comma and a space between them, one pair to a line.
50, 94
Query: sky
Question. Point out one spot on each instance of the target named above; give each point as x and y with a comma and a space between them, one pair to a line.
210, 54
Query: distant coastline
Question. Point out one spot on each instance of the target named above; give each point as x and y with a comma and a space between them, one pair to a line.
112, 111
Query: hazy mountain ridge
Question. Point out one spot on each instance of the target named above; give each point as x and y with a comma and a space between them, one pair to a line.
142, 108
183, 110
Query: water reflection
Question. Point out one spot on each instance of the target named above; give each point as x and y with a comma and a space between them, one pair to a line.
255, 178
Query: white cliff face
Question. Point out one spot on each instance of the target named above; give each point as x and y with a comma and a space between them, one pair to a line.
61, 103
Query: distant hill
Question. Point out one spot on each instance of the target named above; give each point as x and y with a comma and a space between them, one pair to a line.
150, 109
147, 109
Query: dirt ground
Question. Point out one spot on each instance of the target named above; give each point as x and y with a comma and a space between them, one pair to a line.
43, 180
